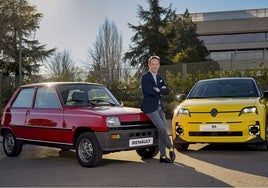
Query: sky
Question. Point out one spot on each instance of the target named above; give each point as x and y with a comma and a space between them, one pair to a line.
74, 24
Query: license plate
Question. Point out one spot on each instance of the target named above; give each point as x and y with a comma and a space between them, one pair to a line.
214, 127
141, 142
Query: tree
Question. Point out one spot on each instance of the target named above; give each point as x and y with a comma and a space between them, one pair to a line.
185, 46
18, 24
150, 38
186, 56
106, 55
62, 67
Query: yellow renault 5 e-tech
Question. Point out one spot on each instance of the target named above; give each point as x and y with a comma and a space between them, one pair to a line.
221, 110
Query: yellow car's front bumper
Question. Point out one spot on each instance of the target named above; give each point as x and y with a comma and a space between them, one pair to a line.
225, 128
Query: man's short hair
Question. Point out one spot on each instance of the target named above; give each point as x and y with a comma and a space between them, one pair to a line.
153, 57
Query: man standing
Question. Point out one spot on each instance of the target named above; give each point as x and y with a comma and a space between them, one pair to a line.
153, 87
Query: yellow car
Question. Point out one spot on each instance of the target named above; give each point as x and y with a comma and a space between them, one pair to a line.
221, 110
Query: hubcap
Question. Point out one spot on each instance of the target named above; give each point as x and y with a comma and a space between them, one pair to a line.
9, 143
85, 150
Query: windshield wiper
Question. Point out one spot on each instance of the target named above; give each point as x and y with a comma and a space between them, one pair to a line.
96, 101
80, 102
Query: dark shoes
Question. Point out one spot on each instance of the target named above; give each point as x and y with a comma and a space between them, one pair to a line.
168, 160
165, 160
172, 155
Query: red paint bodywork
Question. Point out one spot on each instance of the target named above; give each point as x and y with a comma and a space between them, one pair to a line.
60, 125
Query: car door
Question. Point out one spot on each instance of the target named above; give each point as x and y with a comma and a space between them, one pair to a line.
18, 111
45, 119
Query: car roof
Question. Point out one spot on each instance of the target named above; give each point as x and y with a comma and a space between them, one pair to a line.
227, 78
58, 83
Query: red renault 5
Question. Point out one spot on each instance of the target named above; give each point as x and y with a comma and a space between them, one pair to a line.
73, 115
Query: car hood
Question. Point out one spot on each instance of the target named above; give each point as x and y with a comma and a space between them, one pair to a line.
222, 104
124, 113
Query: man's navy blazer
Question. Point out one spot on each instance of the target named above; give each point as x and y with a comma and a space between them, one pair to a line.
150, 97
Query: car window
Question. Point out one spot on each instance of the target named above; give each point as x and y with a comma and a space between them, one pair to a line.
99, 94
86, 94
224, 88
77, 97
24, 98
46, 97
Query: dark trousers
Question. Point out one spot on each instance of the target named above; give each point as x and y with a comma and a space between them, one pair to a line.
159, 120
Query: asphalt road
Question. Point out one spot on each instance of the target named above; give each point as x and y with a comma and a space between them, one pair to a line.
203, 165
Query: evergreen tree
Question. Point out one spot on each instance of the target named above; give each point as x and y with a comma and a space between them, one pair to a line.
185, 46
150, 38
18, 24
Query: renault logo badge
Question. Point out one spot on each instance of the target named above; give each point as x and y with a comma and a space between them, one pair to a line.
214, 112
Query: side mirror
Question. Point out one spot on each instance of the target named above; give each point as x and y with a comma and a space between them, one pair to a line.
181, 97
265, 94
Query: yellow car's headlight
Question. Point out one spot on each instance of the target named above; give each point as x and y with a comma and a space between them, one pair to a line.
251, 109
183, 111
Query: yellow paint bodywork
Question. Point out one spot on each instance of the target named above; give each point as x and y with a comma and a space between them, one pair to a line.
228, 115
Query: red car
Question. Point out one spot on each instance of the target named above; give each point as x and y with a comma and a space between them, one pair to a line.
73, 115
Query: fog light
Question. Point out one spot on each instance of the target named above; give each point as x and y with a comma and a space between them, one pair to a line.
179, 130
115, 136
254, 130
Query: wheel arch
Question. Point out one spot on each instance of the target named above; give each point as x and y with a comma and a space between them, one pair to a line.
79, 131
3, 130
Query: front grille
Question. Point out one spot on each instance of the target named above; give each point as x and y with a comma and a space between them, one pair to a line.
228, 133
212, 122
136, 123
141, 134
132, 126
137, 129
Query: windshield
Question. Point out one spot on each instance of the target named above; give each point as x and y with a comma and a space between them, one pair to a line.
224, 88
86, 94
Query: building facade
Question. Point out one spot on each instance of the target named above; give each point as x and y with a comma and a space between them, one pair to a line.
236, 39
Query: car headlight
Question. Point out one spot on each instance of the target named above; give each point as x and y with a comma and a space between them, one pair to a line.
183, 111
251, 109
112, 121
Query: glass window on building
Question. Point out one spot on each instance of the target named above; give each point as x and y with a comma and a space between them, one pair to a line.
217, 56
239, 55
234, 38
266, 36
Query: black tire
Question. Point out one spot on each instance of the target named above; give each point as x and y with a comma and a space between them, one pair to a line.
88, 150
263, 146
181, 147
266, 139
148, 152
12, 147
